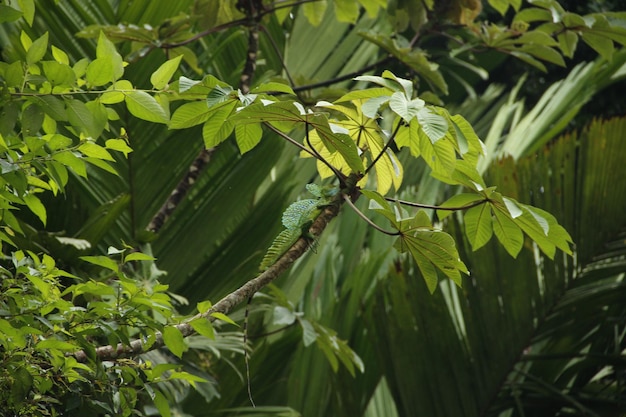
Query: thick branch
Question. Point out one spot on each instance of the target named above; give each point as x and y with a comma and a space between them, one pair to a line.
226, 304
180, 191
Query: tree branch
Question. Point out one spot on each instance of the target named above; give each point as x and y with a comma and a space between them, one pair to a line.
180, 191
226, 304
344, 77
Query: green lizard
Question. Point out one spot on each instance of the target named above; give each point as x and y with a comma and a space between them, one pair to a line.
297, 219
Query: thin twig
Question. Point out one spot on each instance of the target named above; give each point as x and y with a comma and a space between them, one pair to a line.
384, 149
335, 171
344, 77
428, 206
279, 54
364, 217
290, 139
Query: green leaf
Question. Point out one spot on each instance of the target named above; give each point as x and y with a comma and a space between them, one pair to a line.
601, 44
28, 9
434, 125
431, 250
224, 317
340, 142
60, 56
100, 72
507, 232
500, 5
274, 87
309, 335
568, 40
102, 261
173, 339
219, 94
283, 316
138, 256
190, 114
105, 49
478, 228
440, 156
59, 74
31, 119
458, 201
118, 145
94, 150
346, 10
81, 118
161, 404
314, 11
143, 106
533, 14
218, 128
407, 109
165, 72
37, 50
203, 327
248, 136
36, 206
204, 306
55, 344
9, 14
71, 161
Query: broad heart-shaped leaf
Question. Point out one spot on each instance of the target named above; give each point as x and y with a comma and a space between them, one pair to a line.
143, 106
165, 72
433, 250
478, 228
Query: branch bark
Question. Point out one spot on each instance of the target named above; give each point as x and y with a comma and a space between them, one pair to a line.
226, 304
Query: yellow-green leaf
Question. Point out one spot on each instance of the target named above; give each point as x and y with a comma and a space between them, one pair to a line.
165, 72
143, 106
37, 50
118, 145
203, 327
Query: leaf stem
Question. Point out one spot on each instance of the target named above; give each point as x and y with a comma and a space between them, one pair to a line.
367, 219
337, 173
384, 149
428, 206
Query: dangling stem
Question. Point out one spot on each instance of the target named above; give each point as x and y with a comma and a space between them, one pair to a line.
364, 217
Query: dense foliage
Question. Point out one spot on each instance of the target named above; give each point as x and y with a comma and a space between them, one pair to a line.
87, 326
